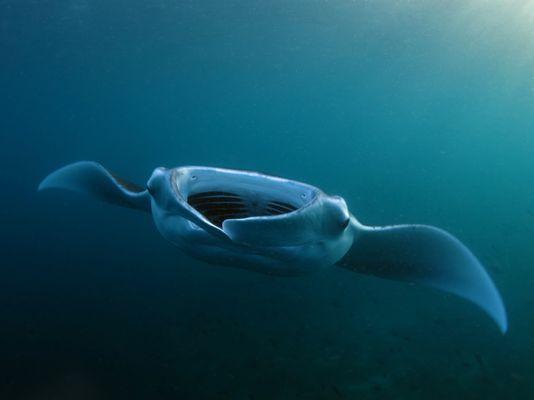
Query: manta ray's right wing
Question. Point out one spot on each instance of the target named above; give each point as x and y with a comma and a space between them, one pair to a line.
91, 178
428, 256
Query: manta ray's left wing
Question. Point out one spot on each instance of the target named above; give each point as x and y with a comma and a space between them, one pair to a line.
428, 256
91, 178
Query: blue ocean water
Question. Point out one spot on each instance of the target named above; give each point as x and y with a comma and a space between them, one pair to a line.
413, 111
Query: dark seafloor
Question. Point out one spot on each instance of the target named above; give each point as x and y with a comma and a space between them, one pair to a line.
413, 111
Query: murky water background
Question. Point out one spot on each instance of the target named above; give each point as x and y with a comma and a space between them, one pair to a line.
413, 111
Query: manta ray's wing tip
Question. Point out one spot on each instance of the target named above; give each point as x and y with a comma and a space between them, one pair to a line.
429, 256
47, 182
503, 325
499, 316
491, 302
68, 176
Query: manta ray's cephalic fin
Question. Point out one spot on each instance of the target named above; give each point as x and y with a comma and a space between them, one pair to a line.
91, 178
428, 256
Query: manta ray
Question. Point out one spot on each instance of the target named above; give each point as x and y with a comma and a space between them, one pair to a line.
280, 226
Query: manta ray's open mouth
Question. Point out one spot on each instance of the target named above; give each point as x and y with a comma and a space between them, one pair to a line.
218, 206
221, 194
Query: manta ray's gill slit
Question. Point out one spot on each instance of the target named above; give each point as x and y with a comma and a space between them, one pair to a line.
212, 194
281, 207
214, 201
218, 206
225, 211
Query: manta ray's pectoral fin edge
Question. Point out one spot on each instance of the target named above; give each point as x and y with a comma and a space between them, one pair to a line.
91, 178
428, 256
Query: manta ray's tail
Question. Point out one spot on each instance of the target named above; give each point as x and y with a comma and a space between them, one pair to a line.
91, 178
425, 255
